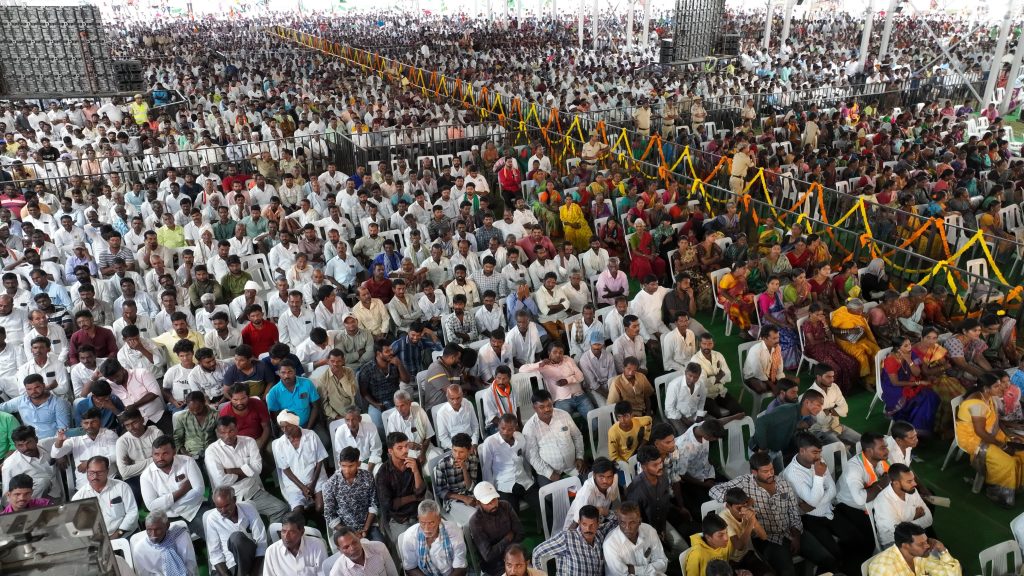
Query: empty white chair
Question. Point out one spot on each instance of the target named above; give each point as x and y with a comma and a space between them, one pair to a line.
715, 278
732, 453
835, 456
560, 502
599, 421
123, 549
811, 362
993, 560
879, 357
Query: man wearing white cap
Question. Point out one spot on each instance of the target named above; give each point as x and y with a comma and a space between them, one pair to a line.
495, 527
250, 295
299, 456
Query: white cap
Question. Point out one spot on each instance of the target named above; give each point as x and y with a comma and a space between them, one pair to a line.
251, 285
485, 492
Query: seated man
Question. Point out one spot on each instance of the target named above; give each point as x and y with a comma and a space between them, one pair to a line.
360, 434
19, 495
163, 548
298, 396
360, 556
495, 527
563, 380
117, 503
901, 441
912, 547
633, 547
864, 477
659, 505
601, 491
236, 538
441, 373
763, 367
500, 399
685, 397
294, 546
554, 443
716, 375
577, 550
400, 486
693, 460
28, 459
456, 474
503, 462
455, 417
234, 461
632, 386
831, 535
410, 419
787, 391
628, 432
432, 547
776, 429
299, 456
350, 498
173, 483
900, 502
135, 449
828, 427
96, 441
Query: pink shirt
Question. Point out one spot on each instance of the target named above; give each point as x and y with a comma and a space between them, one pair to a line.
552, 373
139, 383
33, 503
605, 280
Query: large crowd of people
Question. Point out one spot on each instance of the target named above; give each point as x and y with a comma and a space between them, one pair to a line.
206, 318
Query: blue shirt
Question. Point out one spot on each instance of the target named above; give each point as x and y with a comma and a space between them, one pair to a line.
53, 415
108, 419
298, 401
57, 293
299, 370
513, 304
1018, 379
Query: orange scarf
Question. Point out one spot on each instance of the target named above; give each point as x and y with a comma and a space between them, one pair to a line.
870, 471
499, 394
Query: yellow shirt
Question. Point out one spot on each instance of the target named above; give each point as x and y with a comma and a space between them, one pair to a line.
621, 444
170, 238
140, 112
701, 553
890, 562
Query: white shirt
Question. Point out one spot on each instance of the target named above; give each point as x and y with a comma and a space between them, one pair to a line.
376, 562
449, 423
438, 308
53, 370
82, 448
278, 561
44, 474
758, 362
219, 529
417, 427
594, 263
367, 440
117, 503
293, 329
646, 556
647, 308
245, 455
853, 483
590, 495
443, 563
890, 510
302, 461
524, 347
504, 465
140, 450
681, 402
149, 559
157, 487
814, 490
896, 454
677, 349
11, 360
555, 446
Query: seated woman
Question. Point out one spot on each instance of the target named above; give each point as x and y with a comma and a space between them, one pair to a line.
664, 235
797, 293
907, 396
685, 263
737, 299
999, 335
820, 346
710, 254
713, 543
577, 229
843, 282
853, 334
979, 433
613, 238
774, 263
774, 312
768, 236
874, 282
884, 320
638, 212
821, 284
728, 222
546, 207
644, 256
934, 368
967, 352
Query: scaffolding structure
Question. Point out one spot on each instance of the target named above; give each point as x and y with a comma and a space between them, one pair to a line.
696, 25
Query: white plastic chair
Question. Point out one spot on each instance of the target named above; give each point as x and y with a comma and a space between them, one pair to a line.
711, 506
715, 278
478, 399
954, 446
661, 390
758, 398
811, 362
329, 563
123, 548
1017, 528
682, 559
835, 457
560, 502
870, 509
879, 358
274, 532
524, 385
993, 560
599, 421
732, 453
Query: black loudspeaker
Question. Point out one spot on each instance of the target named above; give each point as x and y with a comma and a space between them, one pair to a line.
730, 45
666, 51
128, 74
